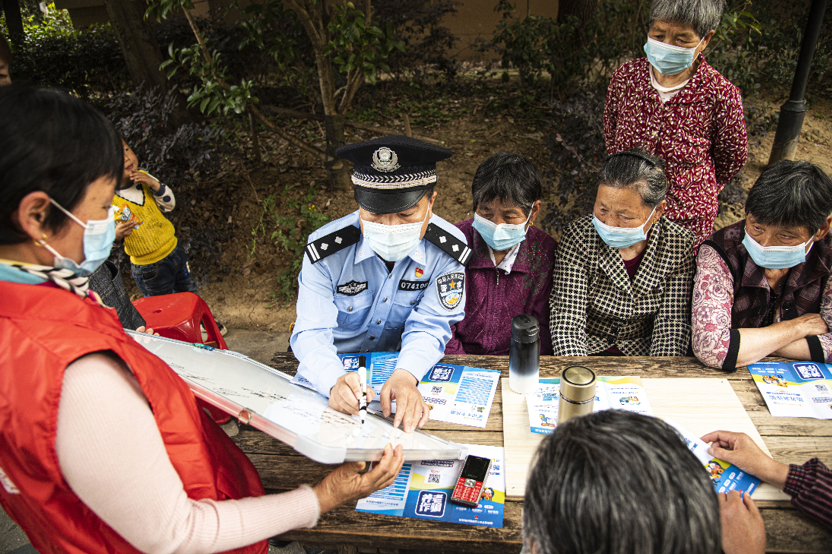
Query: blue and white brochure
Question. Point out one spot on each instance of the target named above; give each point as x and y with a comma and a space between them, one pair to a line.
454, 393
795, 389
423, 490
724, 476
611, 393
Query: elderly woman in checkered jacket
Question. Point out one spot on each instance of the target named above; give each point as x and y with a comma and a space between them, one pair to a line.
623, 275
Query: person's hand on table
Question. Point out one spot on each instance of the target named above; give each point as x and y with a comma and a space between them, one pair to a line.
743, 530
739, 449
346, 483
345, 395
811, 325
411, 409
143, 329
124, 229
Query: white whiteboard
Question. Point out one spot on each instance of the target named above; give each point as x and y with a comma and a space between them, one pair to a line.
264, 398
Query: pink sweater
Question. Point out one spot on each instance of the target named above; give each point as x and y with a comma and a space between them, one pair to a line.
112, 456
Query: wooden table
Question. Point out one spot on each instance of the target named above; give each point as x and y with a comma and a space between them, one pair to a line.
790, 440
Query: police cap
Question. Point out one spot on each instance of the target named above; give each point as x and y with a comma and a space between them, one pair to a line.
392, 173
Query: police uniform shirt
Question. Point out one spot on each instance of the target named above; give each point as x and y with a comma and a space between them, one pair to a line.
348, 301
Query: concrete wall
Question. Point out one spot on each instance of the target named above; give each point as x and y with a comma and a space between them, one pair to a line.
86, 12
477, 19
474, 18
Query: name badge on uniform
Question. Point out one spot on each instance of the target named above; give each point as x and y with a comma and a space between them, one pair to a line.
449, 288
352, 288
413, 285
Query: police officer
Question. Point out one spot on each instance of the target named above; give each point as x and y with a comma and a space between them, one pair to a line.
388, 277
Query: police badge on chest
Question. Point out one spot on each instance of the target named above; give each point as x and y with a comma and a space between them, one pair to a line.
352, 288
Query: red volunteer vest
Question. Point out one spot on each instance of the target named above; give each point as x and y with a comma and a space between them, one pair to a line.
42, 330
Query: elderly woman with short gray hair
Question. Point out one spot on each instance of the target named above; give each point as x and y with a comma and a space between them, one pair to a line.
623, 274
676, 106
763, 284
510, 269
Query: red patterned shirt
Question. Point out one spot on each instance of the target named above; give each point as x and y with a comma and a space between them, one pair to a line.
699, 133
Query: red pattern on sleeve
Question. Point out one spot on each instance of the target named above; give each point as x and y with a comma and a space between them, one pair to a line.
810, 487
699, 133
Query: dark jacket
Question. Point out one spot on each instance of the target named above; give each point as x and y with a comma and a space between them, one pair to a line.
493, 298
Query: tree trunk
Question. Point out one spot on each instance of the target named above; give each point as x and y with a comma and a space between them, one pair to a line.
14, 21
583, 9
336, 169
141, 51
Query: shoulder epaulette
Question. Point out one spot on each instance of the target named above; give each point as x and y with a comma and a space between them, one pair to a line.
448, 243
319, 249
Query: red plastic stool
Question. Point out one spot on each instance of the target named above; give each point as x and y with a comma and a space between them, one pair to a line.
178, 316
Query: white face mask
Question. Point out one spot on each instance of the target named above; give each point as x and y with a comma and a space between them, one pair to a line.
393, 242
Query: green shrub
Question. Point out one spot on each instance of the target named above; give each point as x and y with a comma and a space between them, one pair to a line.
56, 55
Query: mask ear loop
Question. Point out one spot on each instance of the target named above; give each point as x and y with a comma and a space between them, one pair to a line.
42, 244
69, 214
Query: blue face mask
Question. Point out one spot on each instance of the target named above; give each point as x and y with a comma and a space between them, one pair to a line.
775, 257
503, 236
98, 241
668, 59
621, 237
393, 242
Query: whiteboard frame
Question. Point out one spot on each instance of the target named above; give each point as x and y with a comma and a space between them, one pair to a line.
302, 444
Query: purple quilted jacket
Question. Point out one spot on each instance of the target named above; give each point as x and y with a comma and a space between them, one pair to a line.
493, 297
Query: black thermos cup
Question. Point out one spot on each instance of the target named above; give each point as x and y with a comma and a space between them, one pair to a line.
524, 356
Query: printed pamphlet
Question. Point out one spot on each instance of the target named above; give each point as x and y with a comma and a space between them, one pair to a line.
724, 476
454, 393
611, 393
795, 389
423, 490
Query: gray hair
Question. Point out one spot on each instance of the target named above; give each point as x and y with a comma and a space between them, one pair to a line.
637, 170
703, 16
617, 482
509, 177
791, 194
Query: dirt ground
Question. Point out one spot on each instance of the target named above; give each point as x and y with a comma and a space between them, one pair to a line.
242, 294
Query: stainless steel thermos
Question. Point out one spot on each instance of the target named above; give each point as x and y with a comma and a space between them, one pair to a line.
577, 393
524, 354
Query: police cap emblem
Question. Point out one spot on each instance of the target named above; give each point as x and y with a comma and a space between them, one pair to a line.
449, 288
385, 160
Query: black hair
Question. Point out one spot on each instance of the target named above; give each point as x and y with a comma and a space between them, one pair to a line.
617, 482
510, 178
791, 194
55, 143
5, 51
636, 169
703, 16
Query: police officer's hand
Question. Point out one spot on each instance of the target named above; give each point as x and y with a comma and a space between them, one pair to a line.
411, 409
346, 394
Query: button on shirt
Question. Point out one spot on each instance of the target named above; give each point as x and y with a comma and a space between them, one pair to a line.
350, 302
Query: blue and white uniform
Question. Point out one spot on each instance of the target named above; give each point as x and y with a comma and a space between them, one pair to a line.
350, 302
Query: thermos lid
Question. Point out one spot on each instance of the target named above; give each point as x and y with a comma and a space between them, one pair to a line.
577, 383
524, 328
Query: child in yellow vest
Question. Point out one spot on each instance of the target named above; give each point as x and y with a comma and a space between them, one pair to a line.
159, 265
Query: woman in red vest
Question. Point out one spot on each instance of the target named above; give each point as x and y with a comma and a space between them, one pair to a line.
102, 446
